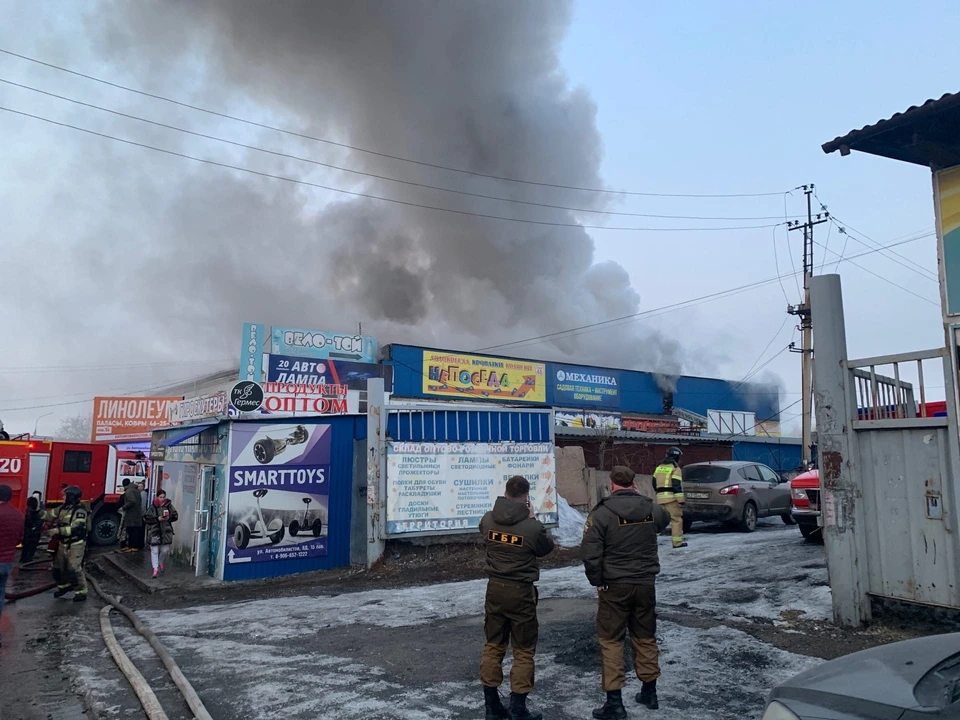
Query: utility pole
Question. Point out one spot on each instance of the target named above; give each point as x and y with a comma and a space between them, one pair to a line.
806, 322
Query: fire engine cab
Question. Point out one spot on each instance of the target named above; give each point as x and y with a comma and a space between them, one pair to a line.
48, 466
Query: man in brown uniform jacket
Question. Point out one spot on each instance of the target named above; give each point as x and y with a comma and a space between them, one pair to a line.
620, 557
514, 539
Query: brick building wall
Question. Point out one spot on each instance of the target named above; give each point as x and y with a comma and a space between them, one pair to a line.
643, 458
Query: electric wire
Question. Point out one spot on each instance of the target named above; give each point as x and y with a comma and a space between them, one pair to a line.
357, 148
613, 322
370, 196
376, 176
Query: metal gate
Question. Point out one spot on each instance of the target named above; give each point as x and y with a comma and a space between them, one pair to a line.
887, 469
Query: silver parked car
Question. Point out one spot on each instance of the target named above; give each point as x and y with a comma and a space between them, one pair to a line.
737, 493
917, 679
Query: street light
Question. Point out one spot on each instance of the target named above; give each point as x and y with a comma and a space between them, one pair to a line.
39, 419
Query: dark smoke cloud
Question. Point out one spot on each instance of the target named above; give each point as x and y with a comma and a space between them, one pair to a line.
471, 85
202, 249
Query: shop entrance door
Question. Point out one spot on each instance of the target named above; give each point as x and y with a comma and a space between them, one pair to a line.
201, 543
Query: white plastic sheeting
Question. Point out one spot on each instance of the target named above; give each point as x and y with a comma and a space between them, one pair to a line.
570, 530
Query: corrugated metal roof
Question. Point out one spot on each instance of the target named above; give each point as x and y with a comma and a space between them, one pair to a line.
936, 145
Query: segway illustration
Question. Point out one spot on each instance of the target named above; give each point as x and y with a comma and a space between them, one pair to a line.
296, 525
262, 530
267, 449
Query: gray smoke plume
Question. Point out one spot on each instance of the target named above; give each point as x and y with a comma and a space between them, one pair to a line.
177, 254
469, 85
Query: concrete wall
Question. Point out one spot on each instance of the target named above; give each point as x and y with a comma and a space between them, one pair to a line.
571, 483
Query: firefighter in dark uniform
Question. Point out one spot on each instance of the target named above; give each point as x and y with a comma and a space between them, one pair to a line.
68, 526
620, 558
668, 482
513, 539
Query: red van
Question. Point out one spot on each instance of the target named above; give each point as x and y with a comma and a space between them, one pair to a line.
805, 497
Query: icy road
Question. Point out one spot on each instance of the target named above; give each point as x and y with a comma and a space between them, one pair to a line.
413, 653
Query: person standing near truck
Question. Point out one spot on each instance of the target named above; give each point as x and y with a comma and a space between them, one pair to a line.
514, 539
620, 559
11, 534
132, 516
69, 528
32, 530
668, 482
159, 521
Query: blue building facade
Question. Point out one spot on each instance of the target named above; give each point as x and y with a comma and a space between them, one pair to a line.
598, 388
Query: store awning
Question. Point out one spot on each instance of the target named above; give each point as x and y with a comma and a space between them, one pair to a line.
186, 434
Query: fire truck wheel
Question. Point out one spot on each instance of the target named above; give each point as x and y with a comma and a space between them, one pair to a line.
294, 528
317, 527
105, 528
241, 536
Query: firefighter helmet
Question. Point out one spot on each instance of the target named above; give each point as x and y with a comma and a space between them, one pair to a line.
71, 495
674, 453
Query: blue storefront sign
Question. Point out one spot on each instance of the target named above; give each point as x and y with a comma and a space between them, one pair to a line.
292, 369
279, 493
596, 387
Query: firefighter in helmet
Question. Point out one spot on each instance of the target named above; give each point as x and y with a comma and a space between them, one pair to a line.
668, 482
69, 524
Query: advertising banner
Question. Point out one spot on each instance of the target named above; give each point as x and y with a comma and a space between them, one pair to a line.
197, 408
450, 486
291, 369
587, 419
586, 386
651, 425
289, 399
129, 418
475, 377
947, 194
260, 341
279, 483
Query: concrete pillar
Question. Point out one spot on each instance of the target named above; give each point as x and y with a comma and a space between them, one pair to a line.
376, 470
840, 487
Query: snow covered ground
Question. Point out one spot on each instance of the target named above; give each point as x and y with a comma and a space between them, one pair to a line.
412, 653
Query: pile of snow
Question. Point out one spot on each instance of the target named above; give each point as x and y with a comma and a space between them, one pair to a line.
570, 531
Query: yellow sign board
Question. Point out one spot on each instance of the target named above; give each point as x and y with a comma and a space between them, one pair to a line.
477, 377
948, 219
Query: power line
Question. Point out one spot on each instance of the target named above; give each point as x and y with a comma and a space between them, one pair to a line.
917, 268
87, 368
376, 176
374, 152
89, 399
369, 196
885, 279
603, 324
776, 260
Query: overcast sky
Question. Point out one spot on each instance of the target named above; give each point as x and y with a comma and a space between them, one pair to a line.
124, 268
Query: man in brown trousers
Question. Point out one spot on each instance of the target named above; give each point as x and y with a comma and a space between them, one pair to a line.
620, 558
514, 539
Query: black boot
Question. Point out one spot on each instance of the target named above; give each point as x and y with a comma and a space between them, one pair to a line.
518, 708
61, 591
648, 695
493, 704
613, 708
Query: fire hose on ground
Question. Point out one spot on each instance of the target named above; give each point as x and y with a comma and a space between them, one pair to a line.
14, 596
186, 689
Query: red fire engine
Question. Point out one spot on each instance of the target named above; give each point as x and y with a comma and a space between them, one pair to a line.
47, 466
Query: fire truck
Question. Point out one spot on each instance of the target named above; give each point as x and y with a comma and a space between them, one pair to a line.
30, 465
